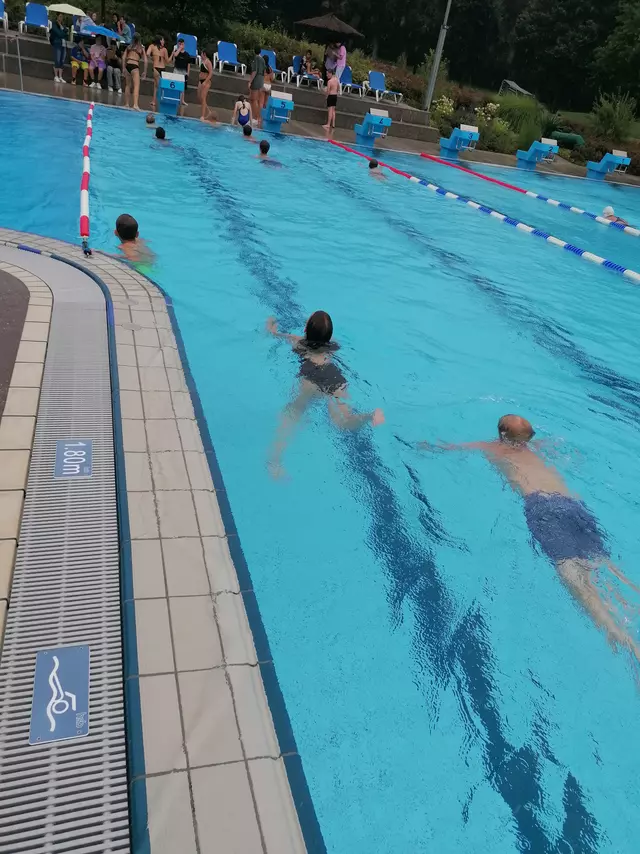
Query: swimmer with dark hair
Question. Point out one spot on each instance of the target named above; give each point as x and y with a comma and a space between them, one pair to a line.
132, 246
161, 134
247, 133
320, 380
564, 528
375, 171
265, 147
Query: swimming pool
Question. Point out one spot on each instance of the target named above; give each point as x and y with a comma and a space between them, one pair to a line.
445, 692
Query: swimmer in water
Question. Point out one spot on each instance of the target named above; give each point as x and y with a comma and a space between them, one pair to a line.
563, 527
132, 246
247, 133
375, 171
150, 120
320, 379
161, 135
608, 213
265, 147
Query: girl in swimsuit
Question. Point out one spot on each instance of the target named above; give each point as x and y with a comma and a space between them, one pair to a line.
131, 67
269, 77
206, 73
320, 379
159, 56
241, 112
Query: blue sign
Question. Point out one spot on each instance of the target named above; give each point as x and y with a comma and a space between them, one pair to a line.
74, 458
60, 707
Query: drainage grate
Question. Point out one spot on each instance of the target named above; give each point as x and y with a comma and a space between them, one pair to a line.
66, 796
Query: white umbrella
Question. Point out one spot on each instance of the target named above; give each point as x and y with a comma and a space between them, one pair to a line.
65, 8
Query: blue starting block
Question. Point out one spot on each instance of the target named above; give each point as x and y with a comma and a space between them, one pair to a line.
171, 89
463, 138
277, 111
617, 161
540, 151
374, 125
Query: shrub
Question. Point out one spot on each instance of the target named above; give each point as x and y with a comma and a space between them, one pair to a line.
613, 115
520, 111
496, 135
529, 131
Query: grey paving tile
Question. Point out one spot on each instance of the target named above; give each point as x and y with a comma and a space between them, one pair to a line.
148, 574
209, 720
123, 336
150, 357
146, 338
27, 375
162, 319
38, 313
169, 470
121, 315
163, 435
190, 435
167, 338
35, 331
195, 634
16, 432
171, 828
256, 726
184, 567
31, 351
133, 435
176, 380
177, 514
10, 513
182, 405
171, 358
225, 814
14, 468
138, 472
209, 518
22, 401
153, 634
222, 572
131, 404
158, 404
7, 558
154, 379
198, 468
278, 816
142, 516
128, 378
162, 733
143, 318
237, 640
126, 355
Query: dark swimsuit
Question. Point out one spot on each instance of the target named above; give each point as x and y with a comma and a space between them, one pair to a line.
563, 527
332, 100
327, 377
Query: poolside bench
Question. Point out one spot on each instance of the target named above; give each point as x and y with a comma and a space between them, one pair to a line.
615, 161
374, 125
277, 111
463, 138
540, 151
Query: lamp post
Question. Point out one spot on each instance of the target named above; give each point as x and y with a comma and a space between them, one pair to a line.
428, 95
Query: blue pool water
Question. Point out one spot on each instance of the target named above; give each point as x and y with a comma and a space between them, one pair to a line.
445, 691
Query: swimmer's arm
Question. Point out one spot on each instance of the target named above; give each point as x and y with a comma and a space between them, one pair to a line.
445, 446
272, 328
621, 576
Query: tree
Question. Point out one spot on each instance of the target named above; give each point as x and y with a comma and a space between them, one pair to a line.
618, 60
554, 48
474, 44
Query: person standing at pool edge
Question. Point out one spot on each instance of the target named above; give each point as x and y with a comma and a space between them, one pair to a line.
159, 57
256, 84
57, 38
320, 380
564, 528
333, 87
131, 67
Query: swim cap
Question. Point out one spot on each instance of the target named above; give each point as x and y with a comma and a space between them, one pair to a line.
608, 211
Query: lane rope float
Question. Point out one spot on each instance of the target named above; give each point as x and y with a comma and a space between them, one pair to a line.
565, 206
84, 183
507, 220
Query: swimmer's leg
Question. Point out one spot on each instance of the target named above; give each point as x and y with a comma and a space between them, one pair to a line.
345, 418
291, 417
576, 574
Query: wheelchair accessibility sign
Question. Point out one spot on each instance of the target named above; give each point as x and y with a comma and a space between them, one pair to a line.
60, 707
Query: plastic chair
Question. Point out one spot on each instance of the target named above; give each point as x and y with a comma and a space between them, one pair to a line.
271, 56
294, 71
377, 85
4, 18
35, 15
346, 82
191, 47
227, 54
294, 68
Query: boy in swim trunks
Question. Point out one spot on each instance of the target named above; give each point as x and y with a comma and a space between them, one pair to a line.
320, 379
563, 526
333, 87
132, 246
79, 59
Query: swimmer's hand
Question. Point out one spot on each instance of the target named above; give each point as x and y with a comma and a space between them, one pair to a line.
272, 325
377, 417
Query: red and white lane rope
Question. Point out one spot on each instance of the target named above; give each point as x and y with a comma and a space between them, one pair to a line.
84, 184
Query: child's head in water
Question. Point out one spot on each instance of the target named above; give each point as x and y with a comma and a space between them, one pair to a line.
264, 147
126, 228
373, 163
160, 133
319, 328
150, 119
247, 130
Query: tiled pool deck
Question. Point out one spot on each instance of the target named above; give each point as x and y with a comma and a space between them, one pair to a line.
213, 774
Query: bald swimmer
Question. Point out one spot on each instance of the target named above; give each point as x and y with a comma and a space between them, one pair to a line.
561, 524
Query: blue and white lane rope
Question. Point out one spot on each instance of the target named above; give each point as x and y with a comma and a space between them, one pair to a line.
627, 229
507, 220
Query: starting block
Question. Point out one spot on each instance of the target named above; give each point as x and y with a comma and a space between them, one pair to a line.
171, 89
463, 138
540, 151
277, 111
375, 124
616, 161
